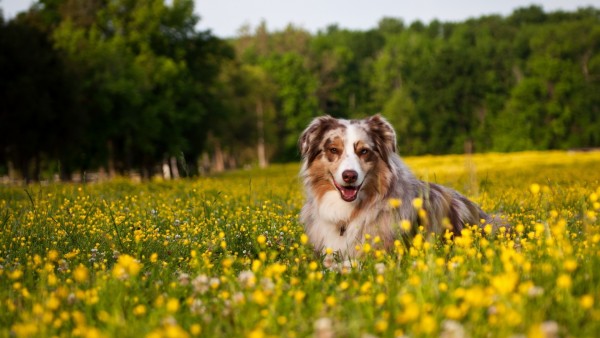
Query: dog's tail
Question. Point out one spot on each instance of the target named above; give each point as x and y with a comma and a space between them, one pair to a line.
497, 221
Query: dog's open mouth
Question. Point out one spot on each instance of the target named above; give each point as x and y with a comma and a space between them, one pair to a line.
349, 192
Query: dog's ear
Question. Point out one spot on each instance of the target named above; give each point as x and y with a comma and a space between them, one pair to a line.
308, 141
383, 134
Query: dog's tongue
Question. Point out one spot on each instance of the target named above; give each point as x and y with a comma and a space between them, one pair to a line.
349, 193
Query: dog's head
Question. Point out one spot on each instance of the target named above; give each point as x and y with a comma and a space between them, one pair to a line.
341, 154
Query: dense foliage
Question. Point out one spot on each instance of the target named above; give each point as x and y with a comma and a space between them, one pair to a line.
129, 85
225, 257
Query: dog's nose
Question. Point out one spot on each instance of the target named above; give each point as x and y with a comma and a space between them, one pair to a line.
349, 176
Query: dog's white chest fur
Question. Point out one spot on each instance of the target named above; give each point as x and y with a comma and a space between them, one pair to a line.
334, 226
333, 209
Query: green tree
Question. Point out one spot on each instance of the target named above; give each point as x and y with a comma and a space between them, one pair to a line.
342, 60
554, 98
401, 111
39, 123
139, 60
296, 101
396, 82
285, 58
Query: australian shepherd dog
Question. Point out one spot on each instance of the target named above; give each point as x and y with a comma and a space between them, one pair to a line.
351, 172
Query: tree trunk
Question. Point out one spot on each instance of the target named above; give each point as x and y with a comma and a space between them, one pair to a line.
12, 172
260, 126
24, 167
64, 172
166, 170
204, 164
111, 160
36, 168
174, 169
219, 162
468, 146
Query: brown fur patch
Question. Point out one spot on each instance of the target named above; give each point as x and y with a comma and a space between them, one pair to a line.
310, 140
364, 151
383, 135
319, 179
376, 185
334, 148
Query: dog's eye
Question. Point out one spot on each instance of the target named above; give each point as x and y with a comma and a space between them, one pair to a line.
364, 151
333, 150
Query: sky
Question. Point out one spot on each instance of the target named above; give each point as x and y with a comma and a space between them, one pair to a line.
225, 17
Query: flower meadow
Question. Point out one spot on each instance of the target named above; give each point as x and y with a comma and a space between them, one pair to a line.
226, 256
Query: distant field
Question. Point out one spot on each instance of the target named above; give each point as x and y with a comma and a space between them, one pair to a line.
225, 256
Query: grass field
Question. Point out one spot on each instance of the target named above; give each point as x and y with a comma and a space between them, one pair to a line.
226, 256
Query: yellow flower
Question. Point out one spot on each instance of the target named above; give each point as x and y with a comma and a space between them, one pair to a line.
258, 333
395, 203
366, 287
418, 241
405, 225
81, 274
381, 325
16, 274
570, 265
139, 310
520, 228
417, 203
586, 301
488, 229
172, 305
453, 312
259, 297
195, 329
534, 188
299, 296
428, 324
53, 255
366, 247
443, 287
25, 329
256, 264
126, 267
410, 313
174, 331
227, 262
505, 283
53, 303
564, 281
261, 239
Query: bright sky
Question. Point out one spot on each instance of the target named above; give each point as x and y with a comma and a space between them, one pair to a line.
225, 17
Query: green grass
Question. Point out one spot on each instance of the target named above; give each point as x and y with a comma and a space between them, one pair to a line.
226, 256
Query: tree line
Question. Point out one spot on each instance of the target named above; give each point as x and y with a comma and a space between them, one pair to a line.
132, 85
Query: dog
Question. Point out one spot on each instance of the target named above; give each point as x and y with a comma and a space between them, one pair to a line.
356, 185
